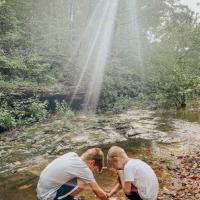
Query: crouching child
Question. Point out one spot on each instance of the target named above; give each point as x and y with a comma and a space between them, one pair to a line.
136, 178
65, 177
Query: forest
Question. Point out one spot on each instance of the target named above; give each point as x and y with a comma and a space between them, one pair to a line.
77, 74
36, 61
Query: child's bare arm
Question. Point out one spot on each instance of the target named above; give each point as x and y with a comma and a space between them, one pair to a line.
116, 188
98, 191
126, 186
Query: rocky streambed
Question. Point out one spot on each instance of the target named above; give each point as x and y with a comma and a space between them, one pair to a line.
161, 139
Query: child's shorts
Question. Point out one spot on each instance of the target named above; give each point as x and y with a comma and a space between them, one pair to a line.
133, 196
63, 193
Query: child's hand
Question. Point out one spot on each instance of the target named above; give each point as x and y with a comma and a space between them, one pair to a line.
108, 194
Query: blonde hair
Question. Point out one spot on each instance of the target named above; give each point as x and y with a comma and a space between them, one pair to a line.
116, 151
95, 154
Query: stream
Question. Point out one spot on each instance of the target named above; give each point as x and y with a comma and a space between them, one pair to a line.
147, 135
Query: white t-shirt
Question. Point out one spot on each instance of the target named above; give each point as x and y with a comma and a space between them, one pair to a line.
59, 172
143, 177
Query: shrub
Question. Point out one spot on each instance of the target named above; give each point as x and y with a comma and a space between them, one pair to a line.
64, 109
38, 110
7, 121
122, 103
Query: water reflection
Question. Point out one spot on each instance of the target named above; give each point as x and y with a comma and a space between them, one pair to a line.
183, 114
168, 117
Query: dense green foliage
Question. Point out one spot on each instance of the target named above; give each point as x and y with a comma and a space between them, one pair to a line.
167, 71
157, 63
26, 66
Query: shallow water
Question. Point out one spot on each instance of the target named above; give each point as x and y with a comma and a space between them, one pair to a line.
182, 114
21, 183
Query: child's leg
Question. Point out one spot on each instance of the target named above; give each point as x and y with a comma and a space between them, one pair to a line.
81, 186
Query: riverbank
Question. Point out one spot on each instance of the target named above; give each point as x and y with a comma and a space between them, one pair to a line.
159, 139
178, 173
